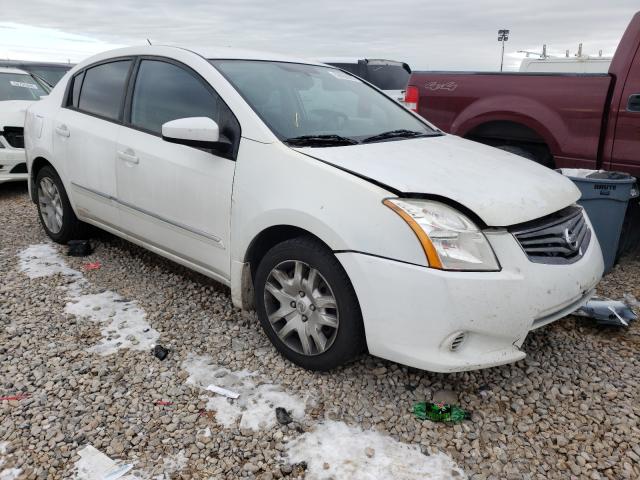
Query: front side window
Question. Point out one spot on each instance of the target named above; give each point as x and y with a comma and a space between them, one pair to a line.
103, 89
299, 101
165, 92
19, 86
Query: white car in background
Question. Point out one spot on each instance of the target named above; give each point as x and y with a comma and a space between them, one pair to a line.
18, 89
345, 220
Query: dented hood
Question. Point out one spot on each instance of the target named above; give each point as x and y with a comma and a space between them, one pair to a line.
501, 188
12, 113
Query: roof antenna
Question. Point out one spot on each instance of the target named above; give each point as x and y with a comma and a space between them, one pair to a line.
149, 41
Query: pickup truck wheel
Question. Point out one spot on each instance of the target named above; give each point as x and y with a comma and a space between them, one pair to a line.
54, 210
307, 305
538, 157
522, 152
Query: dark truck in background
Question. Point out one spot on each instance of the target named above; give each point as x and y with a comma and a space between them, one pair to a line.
390, 76
560, 120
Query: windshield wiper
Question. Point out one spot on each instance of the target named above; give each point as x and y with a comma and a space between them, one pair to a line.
402, 133
319, 141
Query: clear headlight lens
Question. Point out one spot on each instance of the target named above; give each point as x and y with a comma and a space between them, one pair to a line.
451, 241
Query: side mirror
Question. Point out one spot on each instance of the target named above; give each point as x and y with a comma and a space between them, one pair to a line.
199, 132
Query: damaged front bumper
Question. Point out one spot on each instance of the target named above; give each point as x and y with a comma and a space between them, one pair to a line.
454, 321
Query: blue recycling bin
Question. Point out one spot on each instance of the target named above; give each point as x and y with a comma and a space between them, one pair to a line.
605, 196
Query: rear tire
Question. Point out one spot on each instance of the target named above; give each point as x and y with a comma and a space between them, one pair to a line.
307, 305
54, 210
542, 158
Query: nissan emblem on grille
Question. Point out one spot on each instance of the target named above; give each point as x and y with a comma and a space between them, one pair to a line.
559, 238
571, 240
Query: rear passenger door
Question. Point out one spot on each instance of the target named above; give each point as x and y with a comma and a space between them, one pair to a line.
175, 197
85, 134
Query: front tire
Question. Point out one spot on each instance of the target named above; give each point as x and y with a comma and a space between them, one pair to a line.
307, 305
54, 210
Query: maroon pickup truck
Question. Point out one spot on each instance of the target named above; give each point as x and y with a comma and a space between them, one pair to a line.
560, 120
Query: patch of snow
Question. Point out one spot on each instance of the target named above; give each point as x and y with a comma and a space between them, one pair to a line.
336, 450
123, 323
631, 301
42, 260
95, 465
171, 465
256, 404
10, 473
7, 473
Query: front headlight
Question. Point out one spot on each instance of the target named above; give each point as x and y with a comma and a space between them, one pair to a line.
450, 240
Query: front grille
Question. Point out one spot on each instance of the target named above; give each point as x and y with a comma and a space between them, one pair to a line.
559, 238
19, 168
14, 136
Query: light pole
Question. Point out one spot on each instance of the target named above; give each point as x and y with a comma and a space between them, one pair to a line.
503, 36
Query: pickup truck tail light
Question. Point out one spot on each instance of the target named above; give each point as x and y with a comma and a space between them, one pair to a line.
411, 97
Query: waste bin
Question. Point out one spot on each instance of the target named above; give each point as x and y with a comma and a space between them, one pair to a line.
605, 196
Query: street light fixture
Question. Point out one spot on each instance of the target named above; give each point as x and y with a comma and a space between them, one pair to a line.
503, 36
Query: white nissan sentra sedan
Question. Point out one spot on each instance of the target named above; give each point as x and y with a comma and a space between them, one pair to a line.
345, 220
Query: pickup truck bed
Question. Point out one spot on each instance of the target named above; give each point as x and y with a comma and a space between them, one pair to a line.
561, 120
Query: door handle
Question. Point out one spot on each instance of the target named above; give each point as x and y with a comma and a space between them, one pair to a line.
633, 105
128, 156
63, 130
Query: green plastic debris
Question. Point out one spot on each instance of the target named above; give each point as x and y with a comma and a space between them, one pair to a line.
439, 412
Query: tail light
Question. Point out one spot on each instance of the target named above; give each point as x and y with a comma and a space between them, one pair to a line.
411, 97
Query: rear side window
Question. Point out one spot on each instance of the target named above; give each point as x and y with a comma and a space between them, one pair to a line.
75, 89
103, 89
387, 77
164, 91
349, 67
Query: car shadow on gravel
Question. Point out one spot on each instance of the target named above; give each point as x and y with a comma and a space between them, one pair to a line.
13, 189
100, 237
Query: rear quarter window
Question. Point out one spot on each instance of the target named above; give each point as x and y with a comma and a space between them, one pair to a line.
387, 77
103, 89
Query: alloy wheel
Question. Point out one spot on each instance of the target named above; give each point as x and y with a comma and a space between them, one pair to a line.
301, 307
50, 205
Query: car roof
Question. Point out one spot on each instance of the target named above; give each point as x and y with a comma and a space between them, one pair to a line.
209, 53
227, 53
360, 59
13, 70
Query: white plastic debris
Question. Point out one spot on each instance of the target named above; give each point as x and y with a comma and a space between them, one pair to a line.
607, 312
95, 465
222, 391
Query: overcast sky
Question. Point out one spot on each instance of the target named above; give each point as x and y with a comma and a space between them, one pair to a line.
451, 34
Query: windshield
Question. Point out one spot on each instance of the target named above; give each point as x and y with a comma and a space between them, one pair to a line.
298, 100
18, 86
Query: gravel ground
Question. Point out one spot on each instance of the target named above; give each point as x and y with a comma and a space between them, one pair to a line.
569, 410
